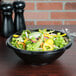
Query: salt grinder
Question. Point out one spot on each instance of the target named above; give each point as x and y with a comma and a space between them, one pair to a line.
7, 22
19, 21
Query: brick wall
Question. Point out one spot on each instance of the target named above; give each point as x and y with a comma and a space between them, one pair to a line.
50, 12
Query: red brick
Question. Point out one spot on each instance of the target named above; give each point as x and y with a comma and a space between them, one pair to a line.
29, 22
49, 6
49, 23
36, 15
70, 22
63, 15
70, 6
29, 6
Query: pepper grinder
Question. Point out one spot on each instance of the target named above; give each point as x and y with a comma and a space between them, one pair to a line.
19, 21
7, 22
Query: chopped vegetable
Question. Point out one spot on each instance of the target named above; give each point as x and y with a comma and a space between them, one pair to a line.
15, 35
49, 41
63, 35
37, 45
59, 41
34, 34
48, 47
26, 39
21, 45
41, 40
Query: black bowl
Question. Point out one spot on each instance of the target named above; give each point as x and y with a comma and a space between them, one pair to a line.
39, 57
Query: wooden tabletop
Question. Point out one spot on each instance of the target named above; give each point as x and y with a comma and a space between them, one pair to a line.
12, 65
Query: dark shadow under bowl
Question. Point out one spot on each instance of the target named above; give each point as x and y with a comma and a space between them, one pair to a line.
37, 57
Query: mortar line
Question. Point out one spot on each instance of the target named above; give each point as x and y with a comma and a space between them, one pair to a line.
50, 1
50, 19
63, 22
63, 5
50, 10
35, 22
47, 1
49, 15
35, 5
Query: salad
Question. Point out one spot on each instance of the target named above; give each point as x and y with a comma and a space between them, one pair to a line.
41, 40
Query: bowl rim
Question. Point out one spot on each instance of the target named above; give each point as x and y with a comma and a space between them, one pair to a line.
30, 52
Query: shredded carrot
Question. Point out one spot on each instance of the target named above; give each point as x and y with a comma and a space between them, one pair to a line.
22, 44
42, 45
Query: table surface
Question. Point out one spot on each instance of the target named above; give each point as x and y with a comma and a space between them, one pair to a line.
12, 65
